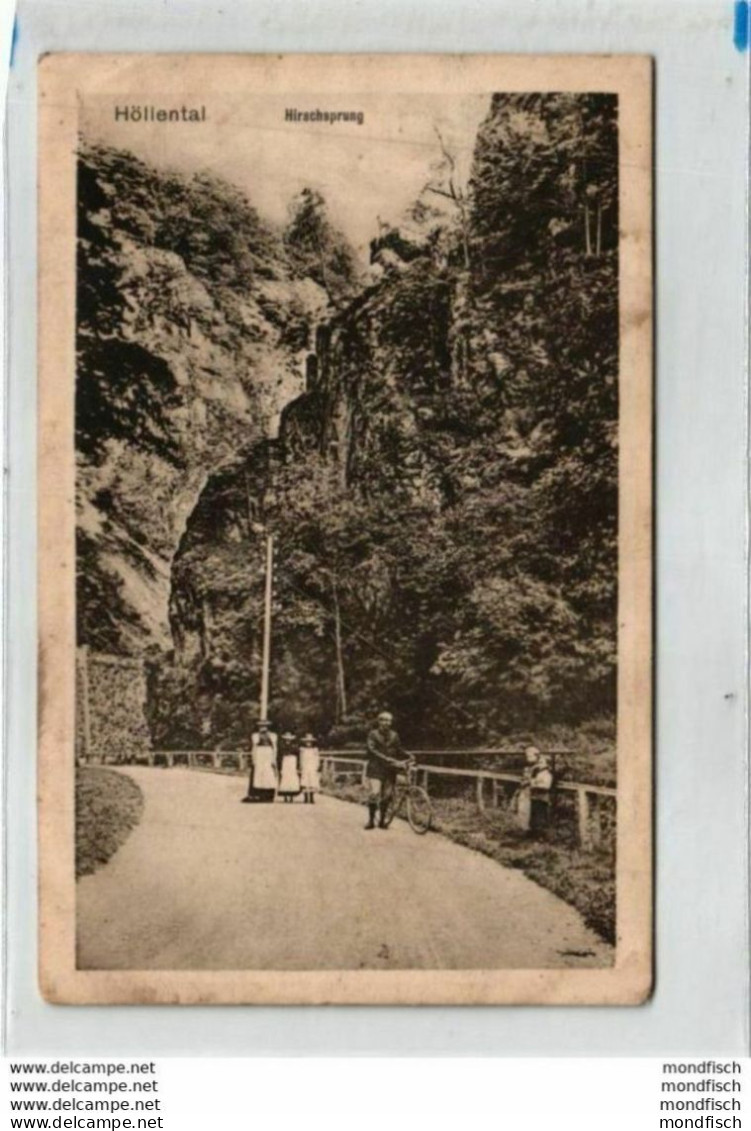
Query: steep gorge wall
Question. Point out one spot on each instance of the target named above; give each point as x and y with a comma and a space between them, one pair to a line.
444, 493
443, 485
368, 489
192, 335
358, 431
382, 368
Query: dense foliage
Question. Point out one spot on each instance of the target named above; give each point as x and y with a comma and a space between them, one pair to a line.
444, 497
317, 249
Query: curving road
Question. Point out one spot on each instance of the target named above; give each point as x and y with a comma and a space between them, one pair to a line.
205, 883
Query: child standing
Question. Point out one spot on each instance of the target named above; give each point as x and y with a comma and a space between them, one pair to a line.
310, 766
538, 775
289, 784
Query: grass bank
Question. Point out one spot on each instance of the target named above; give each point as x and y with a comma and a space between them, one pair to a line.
108, 807
551, 858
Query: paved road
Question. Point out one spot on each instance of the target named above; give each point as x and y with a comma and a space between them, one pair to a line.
206, 883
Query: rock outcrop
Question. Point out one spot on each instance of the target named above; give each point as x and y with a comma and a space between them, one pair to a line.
443, 494
436, 454
192, 335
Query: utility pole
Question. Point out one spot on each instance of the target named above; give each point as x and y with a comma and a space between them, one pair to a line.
266, 660
341, 688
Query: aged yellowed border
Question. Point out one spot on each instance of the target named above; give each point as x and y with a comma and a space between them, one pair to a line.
63, 79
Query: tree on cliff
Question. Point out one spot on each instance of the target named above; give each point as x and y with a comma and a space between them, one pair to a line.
445, 182
545, 177
537, 634
318, 249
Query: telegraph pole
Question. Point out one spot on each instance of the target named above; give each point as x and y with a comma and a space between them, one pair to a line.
266, 660
341, 687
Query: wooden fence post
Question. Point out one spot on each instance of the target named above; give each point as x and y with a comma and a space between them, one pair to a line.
583, 818
595, 824
480, 794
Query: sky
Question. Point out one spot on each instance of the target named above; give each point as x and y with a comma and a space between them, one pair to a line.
365, 172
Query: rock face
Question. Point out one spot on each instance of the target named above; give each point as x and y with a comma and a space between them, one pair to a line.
353, 445
444, 493
435, 455
192, 334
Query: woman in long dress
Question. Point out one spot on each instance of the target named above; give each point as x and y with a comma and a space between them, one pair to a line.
310, 768
289, 783
263, 778
537, 774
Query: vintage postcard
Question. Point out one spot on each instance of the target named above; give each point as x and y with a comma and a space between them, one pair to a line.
345, 508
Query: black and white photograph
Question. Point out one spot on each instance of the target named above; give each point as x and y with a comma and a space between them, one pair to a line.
345, 542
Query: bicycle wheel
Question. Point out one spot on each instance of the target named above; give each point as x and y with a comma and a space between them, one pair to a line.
419, 810
390, 812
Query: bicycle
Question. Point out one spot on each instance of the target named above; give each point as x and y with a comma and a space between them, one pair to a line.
410, 800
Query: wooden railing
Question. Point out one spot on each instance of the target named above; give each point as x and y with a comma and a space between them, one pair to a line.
200, 759
588, 797
240, 758
490, 785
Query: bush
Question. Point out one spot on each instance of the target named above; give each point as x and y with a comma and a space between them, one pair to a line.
108, 806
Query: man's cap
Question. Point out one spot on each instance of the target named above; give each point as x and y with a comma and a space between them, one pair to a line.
288, 734
308, 737
386, 716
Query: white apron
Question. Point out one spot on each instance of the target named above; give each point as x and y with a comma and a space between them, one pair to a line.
524, 807
264, 765
290, 782
310, 764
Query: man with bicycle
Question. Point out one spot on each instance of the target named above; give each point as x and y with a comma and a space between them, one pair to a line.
386, 757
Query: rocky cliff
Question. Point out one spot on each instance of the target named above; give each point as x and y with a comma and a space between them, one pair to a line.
442, 484
192, 334
443, 494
